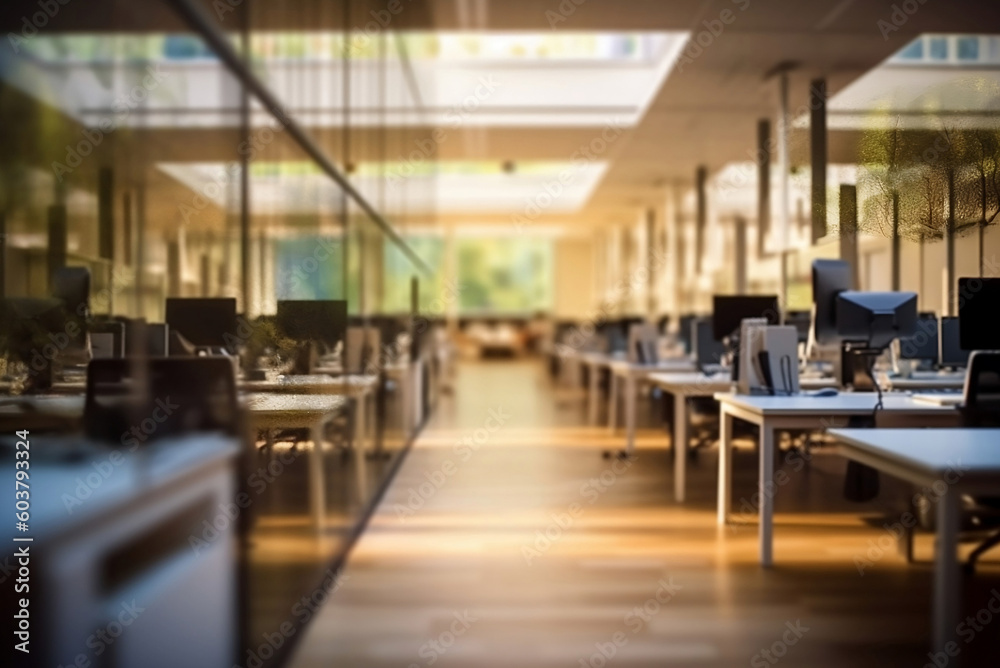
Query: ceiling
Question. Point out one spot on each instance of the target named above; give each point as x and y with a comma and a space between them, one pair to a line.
705, 112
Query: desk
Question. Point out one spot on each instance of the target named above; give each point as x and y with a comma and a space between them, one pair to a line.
771, 414
684, 386
924, 457
41, 412
631, 373
693, 385
180, 486
594, 363
945, 381
357, 386
304, 411
70, 387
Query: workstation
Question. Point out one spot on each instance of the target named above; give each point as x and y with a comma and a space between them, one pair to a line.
486, 334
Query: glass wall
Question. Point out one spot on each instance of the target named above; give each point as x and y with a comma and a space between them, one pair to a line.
137, 151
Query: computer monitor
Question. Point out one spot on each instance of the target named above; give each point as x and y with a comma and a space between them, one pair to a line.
923, 345
708, 350
617, 339
874, 319
730, 311
801, 321
71, 285
318, 321
204, 322
953, 354
977, 308
829, 279
158, 340
686, 332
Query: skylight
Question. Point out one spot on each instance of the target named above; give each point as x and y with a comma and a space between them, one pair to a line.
482, 79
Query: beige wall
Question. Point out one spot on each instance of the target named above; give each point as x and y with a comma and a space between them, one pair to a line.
575, 294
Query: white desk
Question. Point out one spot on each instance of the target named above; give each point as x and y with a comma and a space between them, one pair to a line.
631, 374
41, 412
683, 386
304, 411
692, 385
771, 414
356, 386
916, 383
594, 363
923, 457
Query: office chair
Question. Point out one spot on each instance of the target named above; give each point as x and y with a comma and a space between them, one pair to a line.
981, 409
132, 402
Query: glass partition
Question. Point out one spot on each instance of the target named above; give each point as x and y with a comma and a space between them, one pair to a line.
142, 156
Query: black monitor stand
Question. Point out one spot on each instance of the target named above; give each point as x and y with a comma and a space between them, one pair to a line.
857, 367
306, 358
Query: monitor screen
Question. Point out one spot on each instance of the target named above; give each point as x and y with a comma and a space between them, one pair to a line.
953, 354
979, 301
320, 321
205, 323
924, 344
730, 311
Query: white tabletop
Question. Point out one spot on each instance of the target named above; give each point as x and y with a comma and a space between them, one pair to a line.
286, 404
845, 403
930, 452
679, 364
692, 382
312, 384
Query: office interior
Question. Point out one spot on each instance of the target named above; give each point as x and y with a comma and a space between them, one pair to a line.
476, 333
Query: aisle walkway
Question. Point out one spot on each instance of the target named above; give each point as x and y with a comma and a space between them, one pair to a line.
506, 540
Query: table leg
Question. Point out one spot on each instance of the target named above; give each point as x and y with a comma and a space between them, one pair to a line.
317, 488
360, 424
680, 446
725, 466
946, 572
595, 391
369, 400
630, 409
766, 490
613, 403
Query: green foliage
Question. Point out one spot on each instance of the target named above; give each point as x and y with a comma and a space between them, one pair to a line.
266, 341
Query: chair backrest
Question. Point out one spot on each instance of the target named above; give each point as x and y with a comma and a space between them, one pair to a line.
134, 401
981, 405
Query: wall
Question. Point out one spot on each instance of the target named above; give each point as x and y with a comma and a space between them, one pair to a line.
575, 294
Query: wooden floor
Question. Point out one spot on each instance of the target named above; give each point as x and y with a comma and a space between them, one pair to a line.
530, 550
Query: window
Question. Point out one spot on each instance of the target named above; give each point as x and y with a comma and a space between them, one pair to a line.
912, 51
967, 48
504, 276
938, 47
309, 268
435, 297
